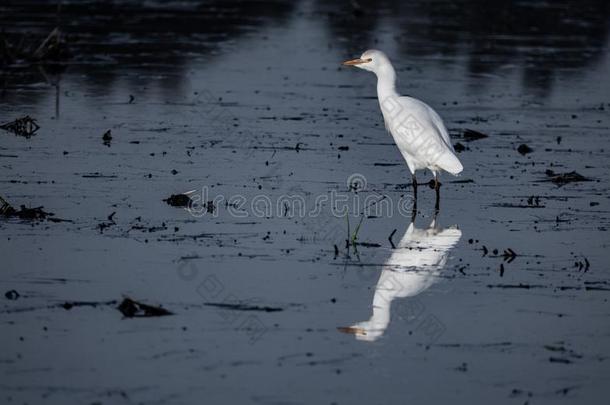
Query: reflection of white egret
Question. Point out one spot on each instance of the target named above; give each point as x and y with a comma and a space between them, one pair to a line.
412, 268
419, 132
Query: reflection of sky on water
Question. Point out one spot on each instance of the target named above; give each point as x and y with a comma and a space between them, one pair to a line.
540, 37
498, 47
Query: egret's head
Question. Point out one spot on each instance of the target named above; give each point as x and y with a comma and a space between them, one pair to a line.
371, 60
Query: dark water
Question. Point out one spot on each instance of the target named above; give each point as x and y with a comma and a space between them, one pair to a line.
246, 105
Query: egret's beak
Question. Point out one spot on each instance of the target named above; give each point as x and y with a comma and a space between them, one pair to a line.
352, 330
357, 61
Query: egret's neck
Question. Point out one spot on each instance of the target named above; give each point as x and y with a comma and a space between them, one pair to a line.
386, 82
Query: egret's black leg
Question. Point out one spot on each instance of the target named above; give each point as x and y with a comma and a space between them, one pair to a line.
414, 187
437, 188
414, 210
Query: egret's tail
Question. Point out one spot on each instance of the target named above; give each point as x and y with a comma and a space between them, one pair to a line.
450, 163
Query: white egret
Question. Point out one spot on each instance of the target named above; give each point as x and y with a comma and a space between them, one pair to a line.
417, 129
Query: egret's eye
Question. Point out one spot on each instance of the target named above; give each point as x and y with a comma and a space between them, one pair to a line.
369, 60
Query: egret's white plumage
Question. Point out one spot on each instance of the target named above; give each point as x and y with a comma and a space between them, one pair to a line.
419, 132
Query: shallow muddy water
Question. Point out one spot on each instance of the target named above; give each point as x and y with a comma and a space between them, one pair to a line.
502, 296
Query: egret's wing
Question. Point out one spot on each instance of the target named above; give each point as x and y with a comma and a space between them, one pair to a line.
426, 117
440, 126
434, 127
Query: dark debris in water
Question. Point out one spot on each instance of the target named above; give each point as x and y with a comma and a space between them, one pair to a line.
524, 149
103, 225
68, 305
32, 213
510, 205
459, 147
179, 200
472, 135
107, 137
583, 265
12, 295
243, 307
533, 201
561, 350
25, 126
7, 211
134, 309
509, 255
565, 178
368, 244
128, 307
5, 207
515, 286
98, 175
